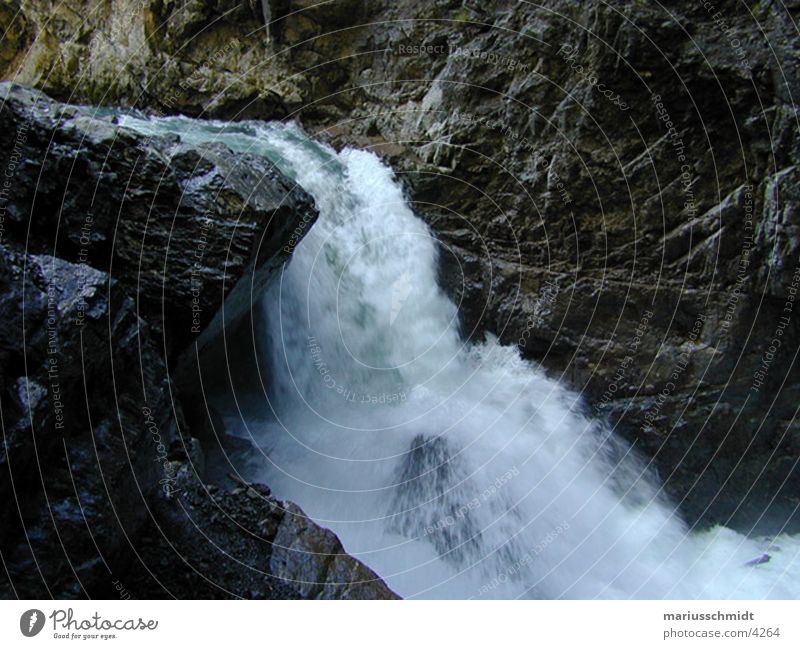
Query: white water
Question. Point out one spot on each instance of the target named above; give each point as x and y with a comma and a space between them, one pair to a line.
452, 470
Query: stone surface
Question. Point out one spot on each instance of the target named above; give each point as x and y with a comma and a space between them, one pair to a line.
176, 225
242, 542
80, 458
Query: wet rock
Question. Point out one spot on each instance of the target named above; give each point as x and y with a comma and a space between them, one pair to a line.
241, 542
176, 225
87, 417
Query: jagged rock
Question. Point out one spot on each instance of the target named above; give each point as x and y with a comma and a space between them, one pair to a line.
176, 225
313, 560
86, 416
168, 56
242, 542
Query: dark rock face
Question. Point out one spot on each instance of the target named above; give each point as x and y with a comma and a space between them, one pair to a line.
81, 455
276, 552
100, 274
176, 225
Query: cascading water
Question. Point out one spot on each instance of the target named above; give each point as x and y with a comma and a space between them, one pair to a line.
452, 469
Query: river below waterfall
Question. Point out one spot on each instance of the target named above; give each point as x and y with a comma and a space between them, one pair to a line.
452, 469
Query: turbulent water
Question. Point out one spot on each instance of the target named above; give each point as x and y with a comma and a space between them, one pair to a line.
451, 469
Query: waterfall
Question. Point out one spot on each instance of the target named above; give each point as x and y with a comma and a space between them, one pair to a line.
452, 469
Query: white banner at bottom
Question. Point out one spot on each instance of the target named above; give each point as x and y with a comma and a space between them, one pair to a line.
401, 624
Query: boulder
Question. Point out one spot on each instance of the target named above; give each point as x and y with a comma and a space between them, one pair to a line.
176, 225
